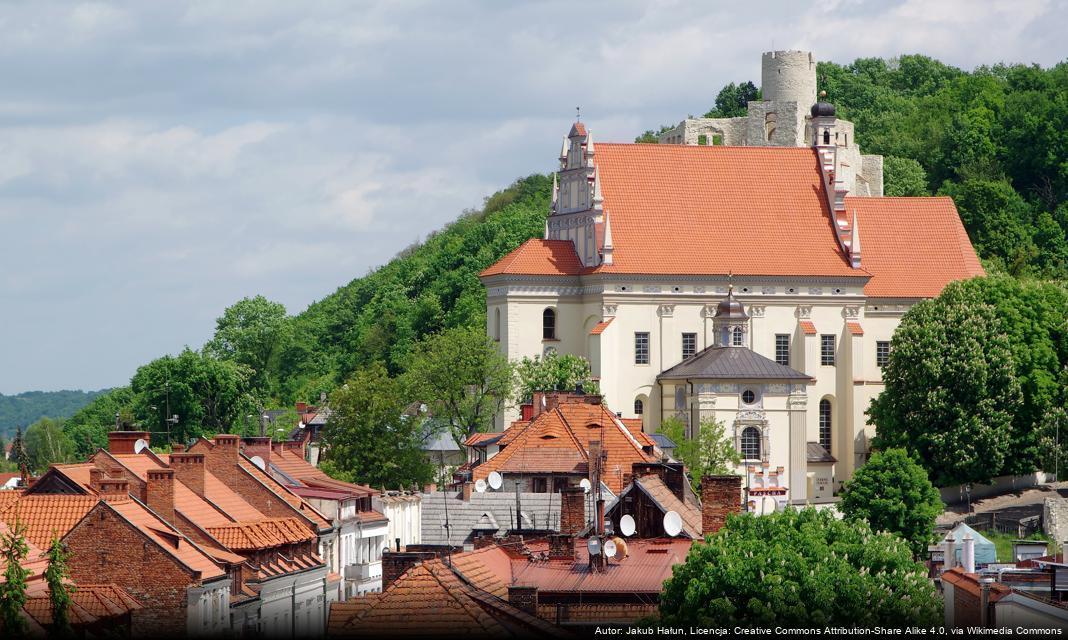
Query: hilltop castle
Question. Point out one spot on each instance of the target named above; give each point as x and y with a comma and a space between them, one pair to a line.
755, 280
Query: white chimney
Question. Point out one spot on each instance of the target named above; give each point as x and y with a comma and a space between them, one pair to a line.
950, 553
967, 554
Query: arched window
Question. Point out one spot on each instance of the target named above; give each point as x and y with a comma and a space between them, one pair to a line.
639, 407
497, 324
825, 424
750, 443
769, 126
737, 337
826, 136
548, 324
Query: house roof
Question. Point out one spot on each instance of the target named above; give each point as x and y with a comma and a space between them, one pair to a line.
166, 537
48, 515
557, 440
662, 441
430, 599
659, 492
271, 532
913, 247
687, 209
816, 452
731, 363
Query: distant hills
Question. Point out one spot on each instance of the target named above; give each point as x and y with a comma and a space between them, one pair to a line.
26, 408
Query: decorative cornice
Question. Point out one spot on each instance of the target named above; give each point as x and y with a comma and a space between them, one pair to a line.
756, 311
804, 311
851, 312
665, 310
608, 310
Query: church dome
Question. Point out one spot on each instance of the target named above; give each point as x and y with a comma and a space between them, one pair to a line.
729, 307
823, 108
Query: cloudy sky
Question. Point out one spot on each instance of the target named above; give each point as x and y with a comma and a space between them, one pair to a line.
161, 160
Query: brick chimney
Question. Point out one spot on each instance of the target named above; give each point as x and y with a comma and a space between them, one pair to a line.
189, 470
394, 564
258, 446
161, 493
112, 488
720, 495
466, 495
227, 448
122, 442
524, 598
561, 547
572, 510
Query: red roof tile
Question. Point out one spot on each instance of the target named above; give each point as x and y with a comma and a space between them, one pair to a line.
855, 328
48, 515
913, 247
599, 328
539, 257
807, 327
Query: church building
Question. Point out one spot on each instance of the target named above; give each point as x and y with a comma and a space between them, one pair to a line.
756, 282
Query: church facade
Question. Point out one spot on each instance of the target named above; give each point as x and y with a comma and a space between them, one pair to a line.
747, 283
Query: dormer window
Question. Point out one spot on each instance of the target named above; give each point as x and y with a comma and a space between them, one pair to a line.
737, 337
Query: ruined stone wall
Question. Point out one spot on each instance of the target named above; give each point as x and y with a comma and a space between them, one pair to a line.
1055, 518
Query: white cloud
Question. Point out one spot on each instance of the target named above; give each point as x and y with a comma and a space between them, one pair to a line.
159, 161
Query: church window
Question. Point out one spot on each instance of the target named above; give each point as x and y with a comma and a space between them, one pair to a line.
782, 349
737, 337
497, 324
689, 345
748, 396
641, 347
750, 443
827, 350
825, 424
548, 324
639, 407
826, 136
882, 353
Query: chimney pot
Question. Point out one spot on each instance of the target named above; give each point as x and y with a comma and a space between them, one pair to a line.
467, 492
572, 510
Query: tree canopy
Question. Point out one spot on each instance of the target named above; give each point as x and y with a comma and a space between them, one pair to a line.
892, 493
799, 569
554, 372
710, 453
951, 389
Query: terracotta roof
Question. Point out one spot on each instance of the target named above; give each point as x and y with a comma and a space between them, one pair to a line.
808, 327
429, 599
655, 488
913, 247
855, 328
685, 210
539, 257
262, 534
599, 328
477, 439
89, 603
557, 440
969, 582
34, 561
634, 425
167, 538
603, 613
48, 515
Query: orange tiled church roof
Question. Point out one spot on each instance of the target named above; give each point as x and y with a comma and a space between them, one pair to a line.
712, 210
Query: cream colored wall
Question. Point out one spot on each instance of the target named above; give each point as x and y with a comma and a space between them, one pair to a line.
656, 307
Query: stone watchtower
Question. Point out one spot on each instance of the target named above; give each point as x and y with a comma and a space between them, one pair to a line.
788, 87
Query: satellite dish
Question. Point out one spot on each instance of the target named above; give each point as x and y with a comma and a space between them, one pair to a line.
609, 548
585, 484
593, 545
496, 480
140, 445
480, 485
258, 461
301, 424
626, 525
672, 523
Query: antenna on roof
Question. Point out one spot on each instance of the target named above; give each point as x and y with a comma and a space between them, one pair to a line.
578, 114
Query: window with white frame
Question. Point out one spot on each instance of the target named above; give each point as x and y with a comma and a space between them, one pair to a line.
737, 337
689, 345
825, 424
641, 347
750, 444
827, 350
882, 353
782, 349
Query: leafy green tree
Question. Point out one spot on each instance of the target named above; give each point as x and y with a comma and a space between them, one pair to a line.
650, 136
951, 389
89, 426
998, 221
710, 453
733, 100
904, 177
13, 549
18, 452
799, 569
47, 443
462, 377
57, 575
28, 407
892, 493
251, 332
207, 394
554, 372
368, 439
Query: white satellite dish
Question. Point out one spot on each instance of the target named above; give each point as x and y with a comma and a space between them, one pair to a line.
672, 523
626, 525
258, 461
300, 424
593, 545
140, 445
480, 485
585, 484
609, 548
496, 480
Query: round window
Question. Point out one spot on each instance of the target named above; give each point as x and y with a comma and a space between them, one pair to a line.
748, 396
